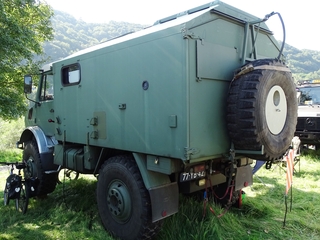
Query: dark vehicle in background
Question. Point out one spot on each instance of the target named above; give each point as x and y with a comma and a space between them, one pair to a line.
308, 126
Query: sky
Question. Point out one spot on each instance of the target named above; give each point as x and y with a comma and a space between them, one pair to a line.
300, 17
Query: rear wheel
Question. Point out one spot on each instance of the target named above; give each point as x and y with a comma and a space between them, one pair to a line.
34, 169
262, 110
123, 201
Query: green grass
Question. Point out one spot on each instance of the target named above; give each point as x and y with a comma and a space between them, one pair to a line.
70, 212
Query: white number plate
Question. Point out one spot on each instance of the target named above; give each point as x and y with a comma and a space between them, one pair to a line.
184, 177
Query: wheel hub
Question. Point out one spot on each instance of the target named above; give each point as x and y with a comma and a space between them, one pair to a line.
276, 109
30, 170
119, 201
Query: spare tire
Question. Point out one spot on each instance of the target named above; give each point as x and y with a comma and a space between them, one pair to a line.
262, 109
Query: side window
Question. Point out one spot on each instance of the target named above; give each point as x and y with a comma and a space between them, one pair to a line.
70, 75
46, 88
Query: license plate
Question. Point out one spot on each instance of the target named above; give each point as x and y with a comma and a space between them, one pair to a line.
184, 177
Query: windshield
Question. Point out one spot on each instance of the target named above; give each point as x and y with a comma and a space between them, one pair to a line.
309, 95
46, 88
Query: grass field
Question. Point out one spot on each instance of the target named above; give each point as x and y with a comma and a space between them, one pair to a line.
70, 212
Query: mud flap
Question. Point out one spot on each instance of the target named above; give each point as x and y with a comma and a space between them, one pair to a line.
164, 201
243, 177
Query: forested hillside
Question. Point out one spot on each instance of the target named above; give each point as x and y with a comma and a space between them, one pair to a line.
72, 35
305, 64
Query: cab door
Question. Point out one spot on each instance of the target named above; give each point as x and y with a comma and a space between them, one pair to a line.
41, 113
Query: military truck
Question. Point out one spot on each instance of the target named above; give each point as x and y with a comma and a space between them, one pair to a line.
177, 108
308, 125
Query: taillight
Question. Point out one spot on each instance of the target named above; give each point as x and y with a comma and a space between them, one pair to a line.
199, 168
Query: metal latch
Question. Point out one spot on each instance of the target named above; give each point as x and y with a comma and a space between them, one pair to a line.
94, 135
190, 151
94, 121
122, 106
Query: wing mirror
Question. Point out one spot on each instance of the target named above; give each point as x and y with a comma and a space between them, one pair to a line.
27, 84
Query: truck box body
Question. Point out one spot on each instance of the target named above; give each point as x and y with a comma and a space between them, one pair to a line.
180, 107
158, 91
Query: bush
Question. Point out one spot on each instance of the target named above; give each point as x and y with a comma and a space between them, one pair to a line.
10, 132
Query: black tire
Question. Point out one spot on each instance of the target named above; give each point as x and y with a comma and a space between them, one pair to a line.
22, 201
123, 201
34, 169
6, 195
262, 111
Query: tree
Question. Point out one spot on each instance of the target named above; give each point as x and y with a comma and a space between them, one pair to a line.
24, 26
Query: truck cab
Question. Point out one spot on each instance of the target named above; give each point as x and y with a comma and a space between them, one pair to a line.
41, 109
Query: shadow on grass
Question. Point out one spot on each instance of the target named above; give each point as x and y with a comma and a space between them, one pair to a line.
70, 212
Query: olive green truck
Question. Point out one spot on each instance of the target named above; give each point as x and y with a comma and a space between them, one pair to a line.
177, 108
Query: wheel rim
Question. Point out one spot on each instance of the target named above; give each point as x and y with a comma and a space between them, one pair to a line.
119, 201
22, 201
30, 170
276, 109
6, 196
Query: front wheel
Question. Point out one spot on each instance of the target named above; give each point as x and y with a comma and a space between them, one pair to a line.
22, 201
35, 169
123, 201
6, 195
